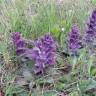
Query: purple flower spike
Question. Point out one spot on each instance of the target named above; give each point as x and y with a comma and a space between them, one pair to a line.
43, 53
74, 40
18, 43
15, 36
91, 28
90, 35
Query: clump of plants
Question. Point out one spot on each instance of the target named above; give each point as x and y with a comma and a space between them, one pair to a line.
50, 50
80, 55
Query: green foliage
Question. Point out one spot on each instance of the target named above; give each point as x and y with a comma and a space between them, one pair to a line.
93, 71
13, 89
87, 84
60, 86
74, 93
50, 93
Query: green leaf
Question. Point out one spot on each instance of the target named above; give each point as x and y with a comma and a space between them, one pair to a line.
93, 71
50, 93
87, 85
74, 93
55, 31
59, 85
94, 2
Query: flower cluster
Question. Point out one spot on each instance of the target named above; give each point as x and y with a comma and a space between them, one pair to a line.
91, 28
18, 43
74, 40
43, 53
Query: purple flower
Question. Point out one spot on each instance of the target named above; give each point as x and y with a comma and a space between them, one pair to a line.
15, 36
18, 43
43, 53
74, 40
90, 34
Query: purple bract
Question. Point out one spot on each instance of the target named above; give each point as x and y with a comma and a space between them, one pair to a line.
73, 40
18, 43
90, 34
43, 53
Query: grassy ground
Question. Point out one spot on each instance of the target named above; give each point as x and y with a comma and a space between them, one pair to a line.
34, 18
